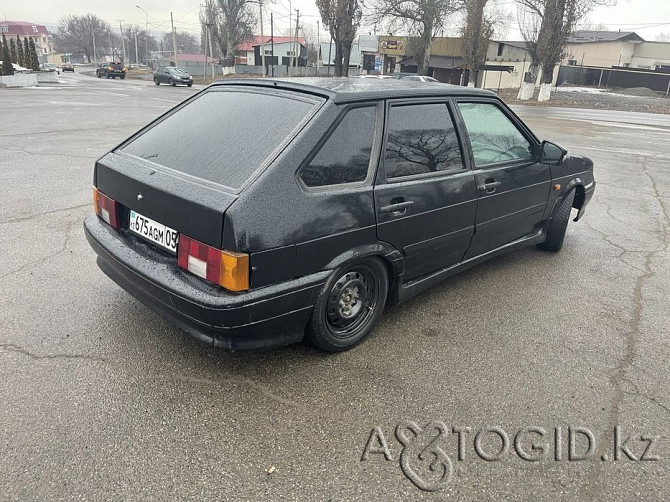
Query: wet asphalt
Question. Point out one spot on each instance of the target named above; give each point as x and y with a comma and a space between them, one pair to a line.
100, 399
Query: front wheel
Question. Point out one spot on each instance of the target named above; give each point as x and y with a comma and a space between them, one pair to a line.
172, 83
559, 224
349, 305
156, 82
189, 85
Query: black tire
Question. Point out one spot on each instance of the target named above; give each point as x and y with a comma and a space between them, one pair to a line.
189, 85
122, 77
172, 83
559, 224
156, 82
99, 76
349, 305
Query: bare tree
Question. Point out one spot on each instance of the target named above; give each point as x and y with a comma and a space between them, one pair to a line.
476, 34
546, 25
309, 33
420, 18
663, 37
134, 34
186, 42
231, 22
76, 34
342, 18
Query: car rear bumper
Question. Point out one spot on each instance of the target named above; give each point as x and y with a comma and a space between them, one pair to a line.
266, 317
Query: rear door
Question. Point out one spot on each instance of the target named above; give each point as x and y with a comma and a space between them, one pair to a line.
425, 197
512, 186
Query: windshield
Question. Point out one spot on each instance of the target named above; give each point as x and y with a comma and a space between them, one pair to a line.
224, 135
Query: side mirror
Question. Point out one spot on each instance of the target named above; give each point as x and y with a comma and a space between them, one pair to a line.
552, 153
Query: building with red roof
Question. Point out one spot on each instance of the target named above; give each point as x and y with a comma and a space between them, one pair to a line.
38, 32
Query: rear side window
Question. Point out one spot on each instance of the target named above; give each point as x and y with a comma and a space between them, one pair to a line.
223, 136
421, 139
345, 156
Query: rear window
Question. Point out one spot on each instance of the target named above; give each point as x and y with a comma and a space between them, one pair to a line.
223, 136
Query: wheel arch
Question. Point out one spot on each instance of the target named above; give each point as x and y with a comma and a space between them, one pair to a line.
390, 257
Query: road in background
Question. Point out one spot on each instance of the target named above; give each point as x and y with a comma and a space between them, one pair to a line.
103, 400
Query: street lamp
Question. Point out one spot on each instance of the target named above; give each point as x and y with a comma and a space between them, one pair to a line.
146, 34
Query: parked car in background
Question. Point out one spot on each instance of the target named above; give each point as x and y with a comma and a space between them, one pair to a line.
49, 67
419, 78
111, 70
172, 75
354, 196
382, 77
67, 67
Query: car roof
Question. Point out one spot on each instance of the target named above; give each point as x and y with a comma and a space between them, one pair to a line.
346, 90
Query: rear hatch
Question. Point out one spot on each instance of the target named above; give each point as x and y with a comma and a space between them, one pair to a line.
184, 170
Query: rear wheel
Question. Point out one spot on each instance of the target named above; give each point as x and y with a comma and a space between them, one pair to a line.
559, 224
349, 305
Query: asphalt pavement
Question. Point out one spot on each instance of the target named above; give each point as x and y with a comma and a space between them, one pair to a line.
101, 399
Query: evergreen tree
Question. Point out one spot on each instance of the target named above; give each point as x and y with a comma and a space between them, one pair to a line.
19, 51
12, 51
26, 53
34, 59
7, 68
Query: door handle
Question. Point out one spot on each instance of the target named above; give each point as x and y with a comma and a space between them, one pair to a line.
489, 186
397, 208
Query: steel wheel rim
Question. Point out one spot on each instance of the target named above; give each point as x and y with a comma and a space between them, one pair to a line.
352, 301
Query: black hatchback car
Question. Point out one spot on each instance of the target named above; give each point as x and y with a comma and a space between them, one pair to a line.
259, 212
172, 75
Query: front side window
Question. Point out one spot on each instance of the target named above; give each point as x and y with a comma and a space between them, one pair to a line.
493, 136
345, 156
421, 139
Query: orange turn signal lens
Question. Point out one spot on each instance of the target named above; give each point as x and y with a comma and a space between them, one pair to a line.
234, 271
229, 269
106, 208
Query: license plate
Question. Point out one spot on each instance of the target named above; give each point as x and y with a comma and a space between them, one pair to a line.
153, 231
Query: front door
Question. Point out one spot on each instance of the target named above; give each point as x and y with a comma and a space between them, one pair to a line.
512, 186
425, 197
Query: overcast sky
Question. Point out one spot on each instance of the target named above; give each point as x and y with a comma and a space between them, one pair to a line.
647, 18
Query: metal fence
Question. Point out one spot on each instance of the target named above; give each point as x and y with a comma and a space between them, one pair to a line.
625, 78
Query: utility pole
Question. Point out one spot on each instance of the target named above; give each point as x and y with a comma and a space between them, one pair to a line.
123, 42
330, 53
211, 52
137, 58
272, 42
174, 40
95, 53
146, 34
290, 37
204, 68
260, 8
296, 43
318, 48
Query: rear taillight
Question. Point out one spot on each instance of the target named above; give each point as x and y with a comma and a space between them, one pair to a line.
106, 208
228, 269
